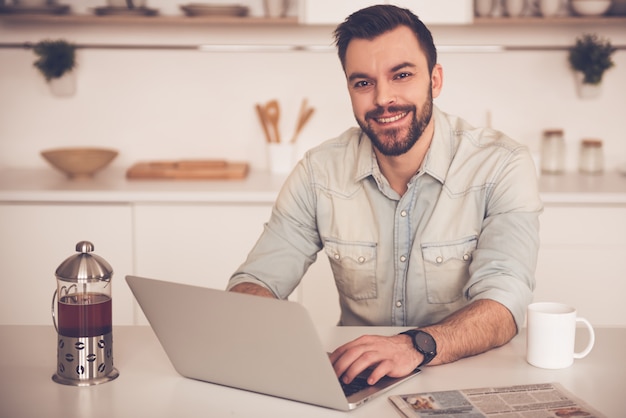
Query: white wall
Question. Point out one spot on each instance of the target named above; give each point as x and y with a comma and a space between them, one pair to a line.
152, 104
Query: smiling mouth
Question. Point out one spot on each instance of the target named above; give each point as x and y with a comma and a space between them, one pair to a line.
391, 119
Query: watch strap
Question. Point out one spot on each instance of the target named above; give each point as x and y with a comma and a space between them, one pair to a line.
429, 355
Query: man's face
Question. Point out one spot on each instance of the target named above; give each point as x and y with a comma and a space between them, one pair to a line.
391, 89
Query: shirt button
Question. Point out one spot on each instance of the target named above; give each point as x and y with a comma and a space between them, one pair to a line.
403, 258
439, 260
465, 257
361, 259
403, 213
336, 256
399, 304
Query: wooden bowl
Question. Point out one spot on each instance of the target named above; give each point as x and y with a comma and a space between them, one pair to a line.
79, 162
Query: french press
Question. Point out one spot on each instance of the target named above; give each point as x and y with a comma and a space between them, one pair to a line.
83, 319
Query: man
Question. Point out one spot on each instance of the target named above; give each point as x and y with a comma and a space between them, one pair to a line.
427, 221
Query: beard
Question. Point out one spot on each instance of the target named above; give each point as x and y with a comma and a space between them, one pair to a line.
395, 143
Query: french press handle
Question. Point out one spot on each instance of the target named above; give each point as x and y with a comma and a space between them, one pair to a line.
53, 311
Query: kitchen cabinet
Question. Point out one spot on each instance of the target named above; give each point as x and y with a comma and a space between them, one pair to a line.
37, 238
582, 260
199, 244
332, 12
199, 233
441, 12
203, 244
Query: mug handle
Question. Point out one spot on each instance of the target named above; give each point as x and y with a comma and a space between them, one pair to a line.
592, 339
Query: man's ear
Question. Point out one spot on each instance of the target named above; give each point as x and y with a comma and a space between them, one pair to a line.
436, 80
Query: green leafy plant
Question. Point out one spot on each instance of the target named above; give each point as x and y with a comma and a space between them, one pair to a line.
592, 56
55, 58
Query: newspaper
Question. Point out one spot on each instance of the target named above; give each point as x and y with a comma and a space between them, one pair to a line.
542, 400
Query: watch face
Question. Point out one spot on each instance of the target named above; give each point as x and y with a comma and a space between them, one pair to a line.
425, 342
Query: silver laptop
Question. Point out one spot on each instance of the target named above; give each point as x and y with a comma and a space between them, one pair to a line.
247, 342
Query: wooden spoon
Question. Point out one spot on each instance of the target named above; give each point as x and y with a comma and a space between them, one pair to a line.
263, 119
304, 118
272, 114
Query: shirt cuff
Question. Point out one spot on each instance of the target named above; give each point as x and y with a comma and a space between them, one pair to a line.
246, 278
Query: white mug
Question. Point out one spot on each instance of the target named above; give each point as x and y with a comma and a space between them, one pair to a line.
551, 333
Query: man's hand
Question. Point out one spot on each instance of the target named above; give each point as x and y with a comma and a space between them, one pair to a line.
392, 356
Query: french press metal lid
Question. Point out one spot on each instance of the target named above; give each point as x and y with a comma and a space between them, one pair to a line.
84, 266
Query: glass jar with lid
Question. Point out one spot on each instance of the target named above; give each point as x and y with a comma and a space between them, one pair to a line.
591, 156
553, 151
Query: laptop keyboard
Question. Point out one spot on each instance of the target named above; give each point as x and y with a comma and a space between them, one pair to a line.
358, 384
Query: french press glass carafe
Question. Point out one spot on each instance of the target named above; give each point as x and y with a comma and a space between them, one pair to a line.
83, 319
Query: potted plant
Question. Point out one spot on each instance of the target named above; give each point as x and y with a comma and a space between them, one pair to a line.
590, 57
56, 60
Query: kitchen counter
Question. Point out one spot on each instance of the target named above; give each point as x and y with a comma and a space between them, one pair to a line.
574, 188
148, 385
111, 186
200, 231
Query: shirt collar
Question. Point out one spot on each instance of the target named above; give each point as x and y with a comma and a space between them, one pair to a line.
366, 159
442, 148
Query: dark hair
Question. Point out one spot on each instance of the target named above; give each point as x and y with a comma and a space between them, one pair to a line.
373, 21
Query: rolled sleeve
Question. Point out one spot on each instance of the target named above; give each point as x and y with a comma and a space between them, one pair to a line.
289, 243
503, 265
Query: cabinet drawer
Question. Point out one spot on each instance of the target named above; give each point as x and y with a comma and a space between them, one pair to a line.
583, 225
36, 238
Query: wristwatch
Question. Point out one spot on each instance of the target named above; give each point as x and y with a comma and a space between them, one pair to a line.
424, 343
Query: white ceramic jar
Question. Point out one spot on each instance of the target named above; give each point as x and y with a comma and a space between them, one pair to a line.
484, 8
515, 8
549, 8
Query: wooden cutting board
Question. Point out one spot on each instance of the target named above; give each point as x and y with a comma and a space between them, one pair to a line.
188, 170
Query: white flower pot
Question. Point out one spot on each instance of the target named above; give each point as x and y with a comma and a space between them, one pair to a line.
585, 90
64, 86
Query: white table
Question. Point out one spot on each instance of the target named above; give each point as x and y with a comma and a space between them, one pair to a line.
148, 386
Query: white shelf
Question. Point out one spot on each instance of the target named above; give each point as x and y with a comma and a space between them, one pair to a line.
260, 187
74, 19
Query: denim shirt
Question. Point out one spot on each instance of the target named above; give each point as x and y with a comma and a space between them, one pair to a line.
466, 229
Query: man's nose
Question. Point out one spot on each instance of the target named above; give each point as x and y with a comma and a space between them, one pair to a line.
385, 94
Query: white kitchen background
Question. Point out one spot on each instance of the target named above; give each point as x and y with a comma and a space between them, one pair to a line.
178, 104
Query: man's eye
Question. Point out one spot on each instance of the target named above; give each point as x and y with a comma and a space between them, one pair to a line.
361, 84
403, 75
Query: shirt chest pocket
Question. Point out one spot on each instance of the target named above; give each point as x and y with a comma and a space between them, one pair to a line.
354, 268
446, 268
